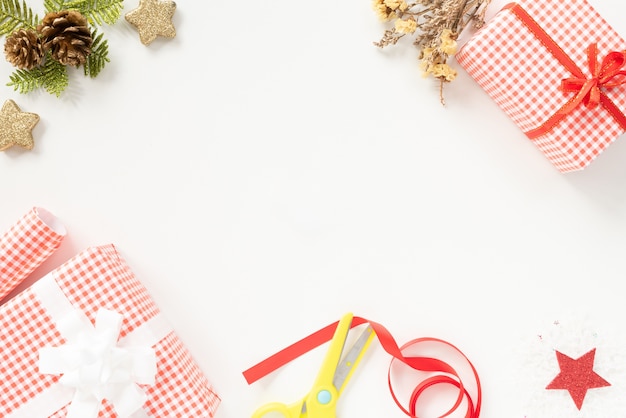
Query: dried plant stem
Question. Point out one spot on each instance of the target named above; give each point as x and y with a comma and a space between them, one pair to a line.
441, 98
435, 24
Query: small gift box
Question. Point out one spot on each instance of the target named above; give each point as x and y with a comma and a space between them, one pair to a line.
555, 68
87, 341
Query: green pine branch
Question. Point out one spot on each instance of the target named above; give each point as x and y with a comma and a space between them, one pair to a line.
98, 57
97, 12
103, 11
55, 77
26, 81
53, 5
51, 76
15, 14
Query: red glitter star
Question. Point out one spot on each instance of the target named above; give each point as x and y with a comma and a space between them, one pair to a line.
577, 376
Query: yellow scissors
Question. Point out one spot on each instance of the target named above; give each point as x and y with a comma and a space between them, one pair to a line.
335, 372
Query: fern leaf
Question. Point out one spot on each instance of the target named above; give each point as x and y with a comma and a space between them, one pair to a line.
98, 57
16, 14
54, 77
25, 81
53, 5
56, 5
97, 12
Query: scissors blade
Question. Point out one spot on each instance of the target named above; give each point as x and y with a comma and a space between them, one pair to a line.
350, 361
333, 355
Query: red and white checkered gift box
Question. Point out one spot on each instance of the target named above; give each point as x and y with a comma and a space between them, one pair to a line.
27, 244
86, 340
521, 58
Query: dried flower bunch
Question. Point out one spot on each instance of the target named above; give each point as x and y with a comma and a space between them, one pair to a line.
65, 37
435, 26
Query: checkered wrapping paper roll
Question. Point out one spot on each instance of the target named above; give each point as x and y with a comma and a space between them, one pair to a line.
523, 77
27, 244
97, 278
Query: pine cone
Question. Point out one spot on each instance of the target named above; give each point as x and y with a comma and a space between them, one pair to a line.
67, 36
24, 49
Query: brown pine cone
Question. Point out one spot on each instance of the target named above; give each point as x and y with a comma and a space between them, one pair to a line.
67, 36
24, 49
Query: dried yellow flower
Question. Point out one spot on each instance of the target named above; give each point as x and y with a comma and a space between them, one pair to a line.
447, 35
406, 26
392, 4
448, 42
443, 71
384, 12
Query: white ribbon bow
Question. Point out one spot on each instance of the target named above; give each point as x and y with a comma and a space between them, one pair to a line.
97, 367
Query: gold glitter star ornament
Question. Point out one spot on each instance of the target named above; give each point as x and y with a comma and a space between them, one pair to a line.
153, 18
16, 126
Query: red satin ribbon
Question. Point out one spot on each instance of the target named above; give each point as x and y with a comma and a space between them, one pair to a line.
442, 372
588, 90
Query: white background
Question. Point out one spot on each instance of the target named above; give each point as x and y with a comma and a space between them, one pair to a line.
269, 169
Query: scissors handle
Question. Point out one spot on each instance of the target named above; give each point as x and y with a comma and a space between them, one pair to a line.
278, 410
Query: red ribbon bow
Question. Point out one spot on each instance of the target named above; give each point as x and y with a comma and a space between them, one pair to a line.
602, 76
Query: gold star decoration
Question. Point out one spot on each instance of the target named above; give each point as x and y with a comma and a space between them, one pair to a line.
153, 18
16, 126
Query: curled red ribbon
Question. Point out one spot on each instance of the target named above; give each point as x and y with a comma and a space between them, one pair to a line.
588, 90
441, 373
